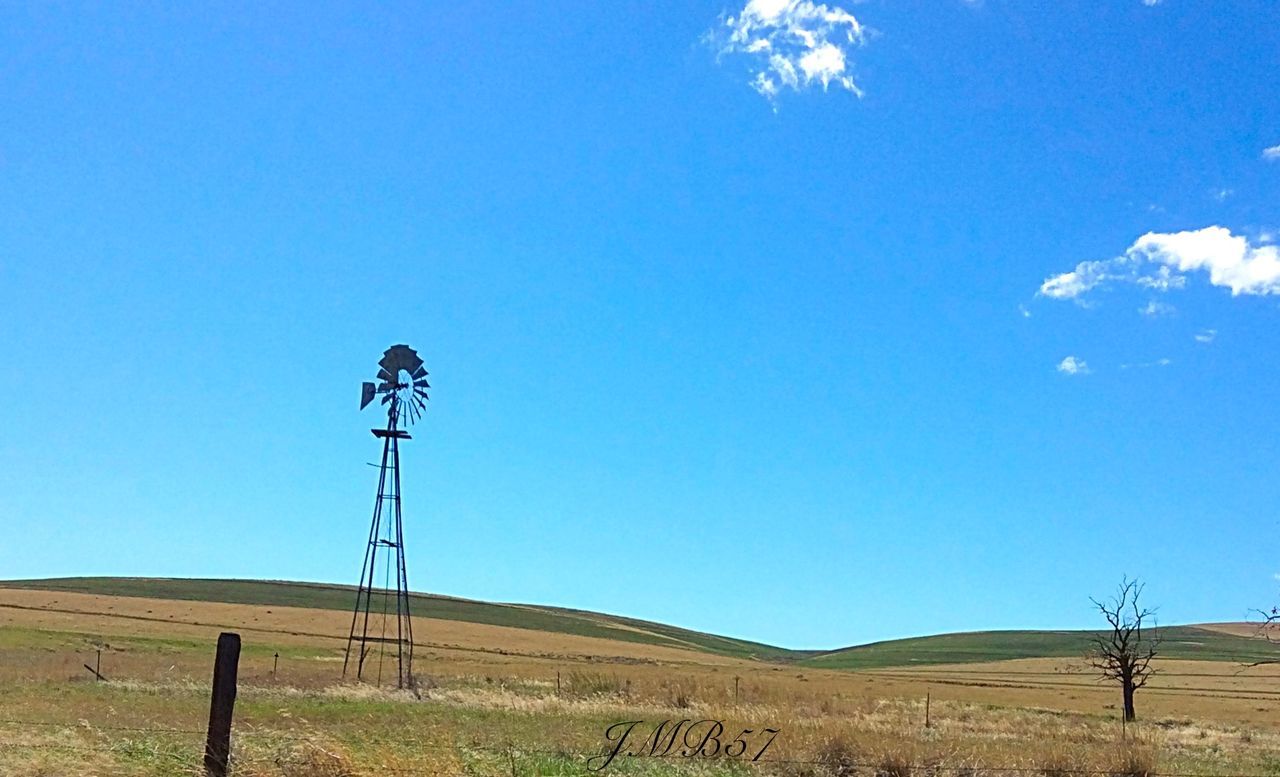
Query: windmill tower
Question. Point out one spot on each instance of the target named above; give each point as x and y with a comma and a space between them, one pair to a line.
379, 628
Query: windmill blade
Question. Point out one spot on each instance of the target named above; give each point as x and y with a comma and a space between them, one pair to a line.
388, 398
421, 383
384, 387
367, 392
421, 372
420, 403
422, 392
400, 357
386, 376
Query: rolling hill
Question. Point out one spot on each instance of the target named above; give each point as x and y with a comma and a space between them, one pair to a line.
1184, 642
338, 597
1180, 642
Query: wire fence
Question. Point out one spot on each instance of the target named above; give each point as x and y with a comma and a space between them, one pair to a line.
1268, 655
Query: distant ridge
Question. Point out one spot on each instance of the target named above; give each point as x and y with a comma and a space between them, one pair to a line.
1210, 642
1194, 643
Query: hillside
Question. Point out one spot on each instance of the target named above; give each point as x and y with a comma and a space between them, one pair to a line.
1211, 642
1179, 642
337, 597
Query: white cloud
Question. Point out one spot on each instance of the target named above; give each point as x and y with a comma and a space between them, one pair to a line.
1154, 309
1073, 366
1024, 311
1070, 285
1221, 195
1150, 3
794, 44
1162, 279
1229, 259
1206, 335
1156, 260
1272, 153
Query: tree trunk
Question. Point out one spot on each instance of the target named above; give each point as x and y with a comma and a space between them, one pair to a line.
1129, 714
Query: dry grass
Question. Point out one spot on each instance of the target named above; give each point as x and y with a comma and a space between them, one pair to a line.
123, 616
1237, 629
490, 687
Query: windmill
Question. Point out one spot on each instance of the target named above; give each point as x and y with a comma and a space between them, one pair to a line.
377, 626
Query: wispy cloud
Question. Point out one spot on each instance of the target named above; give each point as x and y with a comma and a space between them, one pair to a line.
1165, 362
1090, 275
1155, 309
793, 44
1272, 153
1073, 366
1160, 261
1206, 335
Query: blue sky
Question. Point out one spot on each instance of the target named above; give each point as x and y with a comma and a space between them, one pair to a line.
710, 343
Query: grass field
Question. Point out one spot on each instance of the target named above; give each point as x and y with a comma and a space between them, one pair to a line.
342, 598
1183, 642
529, 690
1220, 642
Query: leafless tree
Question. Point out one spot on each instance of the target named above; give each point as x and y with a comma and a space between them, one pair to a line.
1269, 629
1124, 653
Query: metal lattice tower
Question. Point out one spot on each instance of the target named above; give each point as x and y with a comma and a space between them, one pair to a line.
378, 627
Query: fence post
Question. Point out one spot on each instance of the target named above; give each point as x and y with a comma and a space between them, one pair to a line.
97, 673
217, 748
926, 711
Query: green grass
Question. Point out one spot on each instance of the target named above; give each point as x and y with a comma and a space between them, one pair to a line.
1185, 642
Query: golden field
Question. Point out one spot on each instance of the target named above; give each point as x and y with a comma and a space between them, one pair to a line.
490, 705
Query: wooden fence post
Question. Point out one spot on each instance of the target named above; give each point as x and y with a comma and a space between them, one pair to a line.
217, 748
97, 672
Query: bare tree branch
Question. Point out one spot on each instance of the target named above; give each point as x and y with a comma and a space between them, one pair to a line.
1268, 629
1124, 654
